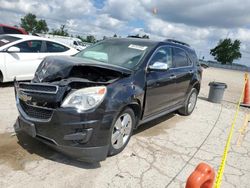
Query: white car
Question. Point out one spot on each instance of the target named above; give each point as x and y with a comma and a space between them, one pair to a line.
70, 41
20, 55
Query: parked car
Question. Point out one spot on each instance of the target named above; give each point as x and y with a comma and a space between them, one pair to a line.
21, 54
6, 29
70, 41
88, 105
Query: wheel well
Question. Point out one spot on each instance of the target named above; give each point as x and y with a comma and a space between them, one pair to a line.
1, 76
197, 86
137, 111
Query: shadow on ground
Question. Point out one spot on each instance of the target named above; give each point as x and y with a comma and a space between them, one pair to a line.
17, 150
203, 98
153, 123
8, 84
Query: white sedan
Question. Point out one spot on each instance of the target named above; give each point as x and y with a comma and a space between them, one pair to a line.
20, 55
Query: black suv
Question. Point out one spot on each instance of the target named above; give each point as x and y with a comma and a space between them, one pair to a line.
87, 106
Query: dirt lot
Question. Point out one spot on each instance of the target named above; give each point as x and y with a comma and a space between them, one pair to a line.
161, 153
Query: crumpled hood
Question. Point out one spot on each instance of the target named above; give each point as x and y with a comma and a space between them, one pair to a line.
59, 67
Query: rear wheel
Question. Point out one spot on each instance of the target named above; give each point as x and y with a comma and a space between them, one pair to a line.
121, 131
190, 103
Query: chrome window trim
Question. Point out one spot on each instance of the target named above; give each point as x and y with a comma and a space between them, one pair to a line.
171, 46
192, 63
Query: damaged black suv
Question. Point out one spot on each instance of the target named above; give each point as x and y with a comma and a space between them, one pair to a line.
88, 105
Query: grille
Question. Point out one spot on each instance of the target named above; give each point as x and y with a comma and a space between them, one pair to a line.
38, 88
35, 112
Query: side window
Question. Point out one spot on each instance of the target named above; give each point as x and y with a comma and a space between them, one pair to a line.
32, 46
75, 43
180, 58
194, 57
163, 55
55, 47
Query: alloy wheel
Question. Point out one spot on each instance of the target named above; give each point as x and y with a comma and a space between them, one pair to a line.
192, 102
121, 131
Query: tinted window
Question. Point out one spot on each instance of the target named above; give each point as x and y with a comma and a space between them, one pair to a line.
55, 47
32, 46
193, 57
8, 30
180, 58
7, 39
163, 55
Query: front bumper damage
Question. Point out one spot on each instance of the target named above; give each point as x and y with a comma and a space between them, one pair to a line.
81, 135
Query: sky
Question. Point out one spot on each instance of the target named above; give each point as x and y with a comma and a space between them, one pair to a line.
197, 22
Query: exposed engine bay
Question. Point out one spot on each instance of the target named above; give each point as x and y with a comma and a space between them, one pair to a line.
76, 75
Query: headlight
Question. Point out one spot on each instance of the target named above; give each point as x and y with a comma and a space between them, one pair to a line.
85, 99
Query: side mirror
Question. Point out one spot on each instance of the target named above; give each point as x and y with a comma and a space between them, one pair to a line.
158, 66
13, 49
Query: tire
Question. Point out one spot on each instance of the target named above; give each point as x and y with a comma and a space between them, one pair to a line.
121, 132
189, 103
1, 77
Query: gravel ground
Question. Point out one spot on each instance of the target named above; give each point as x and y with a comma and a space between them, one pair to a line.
161, 153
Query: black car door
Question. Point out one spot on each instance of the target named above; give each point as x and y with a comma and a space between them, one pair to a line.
183, 71
160, 90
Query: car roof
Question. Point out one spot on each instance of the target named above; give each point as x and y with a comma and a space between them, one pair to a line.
25, 37
147, 42
150, 42
32, 37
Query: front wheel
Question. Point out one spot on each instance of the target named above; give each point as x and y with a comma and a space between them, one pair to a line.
121, 131
190, 103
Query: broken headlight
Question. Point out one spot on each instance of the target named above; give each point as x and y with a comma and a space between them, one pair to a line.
85, 99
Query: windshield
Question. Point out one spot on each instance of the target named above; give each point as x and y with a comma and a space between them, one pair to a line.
121, 53
7, 39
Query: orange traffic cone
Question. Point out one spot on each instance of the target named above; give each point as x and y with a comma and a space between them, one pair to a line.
202, 177
246, 100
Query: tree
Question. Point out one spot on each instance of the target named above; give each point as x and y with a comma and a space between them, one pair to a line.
90, 38
145, 36
226, 51
30, 23
42, 27
61, 31
115, 35
81, 38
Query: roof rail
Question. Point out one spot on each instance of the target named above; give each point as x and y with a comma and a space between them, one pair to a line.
178, 42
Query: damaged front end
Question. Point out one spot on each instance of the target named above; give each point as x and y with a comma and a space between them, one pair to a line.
50, 106
56, 77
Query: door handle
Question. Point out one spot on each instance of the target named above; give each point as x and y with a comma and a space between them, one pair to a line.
172, 77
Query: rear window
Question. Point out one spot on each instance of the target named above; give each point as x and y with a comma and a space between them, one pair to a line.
7, 39
8, 30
